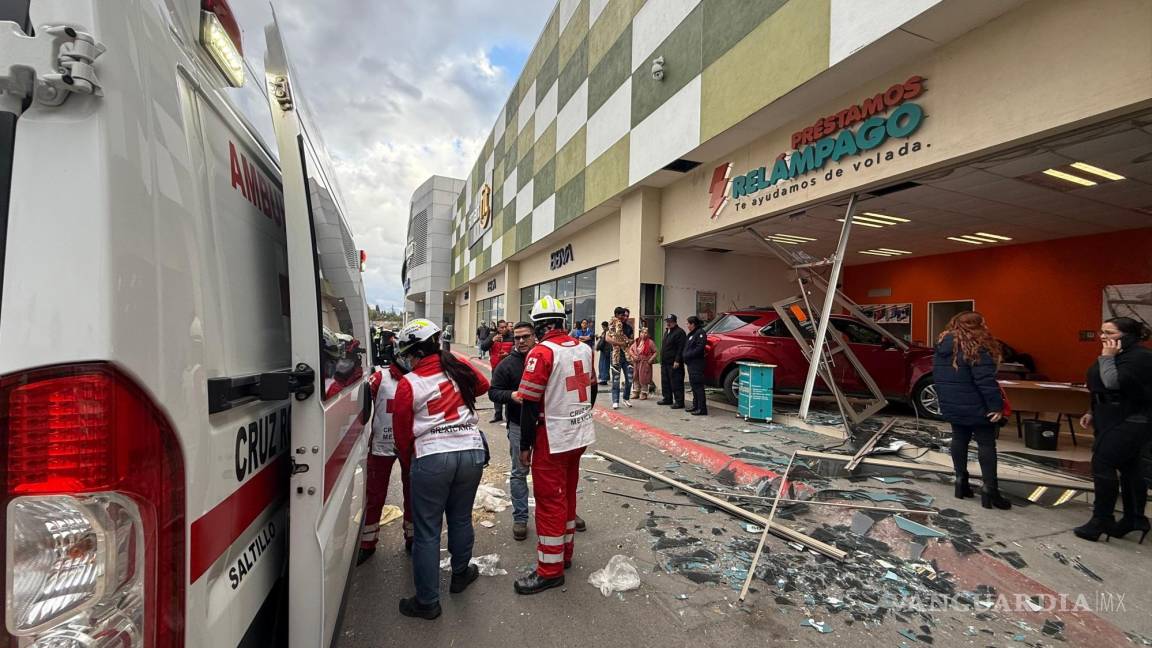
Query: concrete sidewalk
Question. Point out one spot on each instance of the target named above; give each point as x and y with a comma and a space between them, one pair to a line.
692, 559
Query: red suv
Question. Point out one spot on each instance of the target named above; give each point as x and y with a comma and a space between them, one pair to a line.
903, 374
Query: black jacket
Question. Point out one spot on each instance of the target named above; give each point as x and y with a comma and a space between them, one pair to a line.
672, 349
967, 392
505, 380
694, 350
1111, 407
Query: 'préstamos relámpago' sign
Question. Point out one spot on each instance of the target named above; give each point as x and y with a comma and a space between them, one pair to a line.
851, 132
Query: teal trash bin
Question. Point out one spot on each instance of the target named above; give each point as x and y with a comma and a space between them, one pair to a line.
755, 402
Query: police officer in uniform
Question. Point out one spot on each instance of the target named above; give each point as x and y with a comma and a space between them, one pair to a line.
695, 359
558, 390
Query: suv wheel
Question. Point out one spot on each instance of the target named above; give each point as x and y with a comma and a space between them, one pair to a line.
731, 384
926, 400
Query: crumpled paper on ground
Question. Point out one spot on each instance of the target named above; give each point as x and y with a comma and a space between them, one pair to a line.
619, 576
390, 513
489, 565
490, 498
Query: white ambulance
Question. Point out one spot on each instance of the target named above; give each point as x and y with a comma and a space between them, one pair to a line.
183, 334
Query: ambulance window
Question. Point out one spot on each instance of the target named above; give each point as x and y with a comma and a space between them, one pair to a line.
343, 312
251, 99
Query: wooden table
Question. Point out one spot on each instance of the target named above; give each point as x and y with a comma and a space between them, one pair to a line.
1062, 399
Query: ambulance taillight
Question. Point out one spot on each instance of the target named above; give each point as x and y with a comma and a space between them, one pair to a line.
220, 36
93, 512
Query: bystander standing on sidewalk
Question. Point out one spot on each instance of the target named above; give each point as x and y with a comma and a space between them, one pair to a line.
604, 351
619, 338
643, 351
505, 382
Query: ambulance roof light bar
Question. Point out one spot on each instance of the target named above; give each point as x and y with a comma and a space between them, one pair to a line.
220, 36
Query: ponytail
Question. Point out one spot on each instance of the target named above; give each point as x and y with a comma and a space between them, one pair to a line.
463, 375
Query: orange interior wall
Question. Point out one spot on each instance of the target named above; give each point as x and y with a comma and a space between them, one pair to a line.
1037, 297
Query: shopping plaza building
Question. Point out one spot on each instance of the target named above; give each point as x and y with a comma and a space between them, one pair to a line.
651, 154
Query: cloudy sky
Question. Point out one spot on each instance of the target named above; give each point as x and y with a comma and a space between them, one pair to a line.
402, 90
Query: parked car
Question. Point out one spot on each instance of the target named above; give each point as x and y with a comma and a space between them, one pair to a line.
903, 374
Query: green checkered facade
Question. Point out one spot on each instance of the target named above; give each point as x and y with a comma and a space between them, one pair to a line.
586, 121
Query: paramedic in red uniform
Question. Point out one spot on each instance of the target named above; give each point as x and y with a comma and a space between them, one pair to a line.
558, 389
437, 433
382, 452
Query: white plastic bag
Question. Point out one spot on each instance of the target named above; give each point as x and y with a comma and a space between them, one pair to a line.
618, 576
489, 565
490, 498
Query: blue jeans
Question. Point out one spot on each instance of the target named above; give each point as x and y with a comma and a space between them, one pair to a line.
625, 368
442, 485
518, 480
604, 359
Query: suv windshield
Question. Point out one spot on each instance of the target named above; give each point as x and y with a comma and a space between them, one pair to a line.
730, 323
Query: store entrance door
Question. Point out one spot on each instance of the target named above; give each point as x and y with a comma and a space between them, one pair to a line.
939, 313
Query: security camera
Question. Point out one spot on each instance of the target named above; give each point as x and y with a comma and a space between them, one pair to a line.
658, 68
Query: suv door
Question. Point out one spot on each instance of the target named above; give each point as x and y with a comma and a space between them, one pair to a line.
884, 362
330, 337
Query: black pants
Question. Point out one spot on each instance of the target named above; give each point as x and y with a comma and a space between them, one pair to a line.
696, 380
1117, 450
499, 407
985, 435
672, 382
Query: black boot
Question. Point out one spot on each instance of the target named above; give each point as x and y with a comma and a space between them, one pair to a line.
1127, 525
534, 584
461, 581
962, 488
410, 607
663, 401
991, 497
1095, 528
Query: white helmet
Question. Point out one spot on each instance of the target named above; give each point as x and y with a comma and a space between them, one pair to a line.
547, 308
413, 333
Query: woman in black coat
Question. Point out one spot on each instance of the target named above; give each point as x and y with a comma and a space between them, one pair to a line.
964, 371
1121, 385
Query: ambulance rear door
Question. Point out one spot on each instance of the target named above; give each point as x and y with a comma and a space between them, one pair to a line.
330, 341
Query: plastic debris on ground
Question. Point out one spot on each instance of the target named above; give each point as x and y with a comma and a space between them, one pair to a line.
820, 626
487, 524
489, 565
619, 576
492, 499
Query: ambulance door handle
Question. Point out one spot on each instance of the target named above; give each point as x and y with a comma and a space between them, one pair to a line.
277, 385
366, 406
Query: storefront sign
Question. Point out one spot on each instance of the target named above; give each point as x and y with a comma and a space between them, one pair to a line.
561, 257
491, 285
485, 206
885, 116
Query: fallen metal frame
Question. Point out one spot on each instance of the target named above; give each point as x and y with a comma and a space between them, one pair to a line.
820, 361
777, 529
1013, 476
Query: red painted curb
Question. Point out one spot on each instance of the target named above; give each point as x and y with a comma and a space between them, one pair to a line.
689, 451
1082, 627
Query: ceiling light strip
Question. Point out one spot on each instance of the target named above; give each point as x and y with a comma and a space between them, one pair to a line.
1075, 179
962, 240
994, 236
856, 221
894, 219
1095, 170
